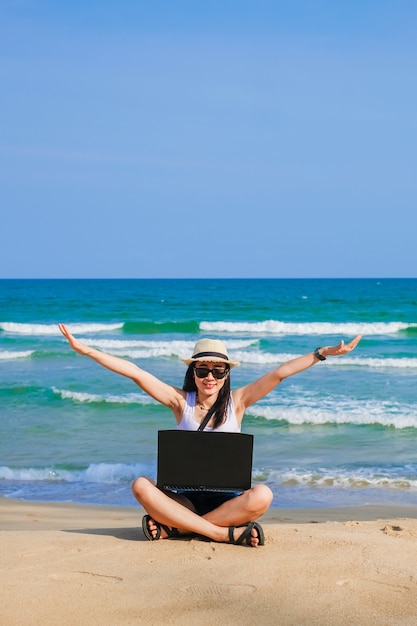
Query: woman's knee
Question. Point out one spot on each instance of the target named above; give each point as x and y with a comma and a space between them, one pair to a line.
260, 498
142, 485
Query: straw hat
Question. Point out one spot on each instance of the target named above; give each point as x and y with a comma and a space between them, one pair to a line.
212, 351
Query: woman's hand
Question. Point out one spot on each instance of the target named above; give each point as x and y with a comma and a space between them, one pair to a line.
75, 344
341, 347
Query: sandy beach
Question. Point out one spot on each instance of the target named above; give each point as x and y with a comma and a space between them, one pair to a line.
71, 564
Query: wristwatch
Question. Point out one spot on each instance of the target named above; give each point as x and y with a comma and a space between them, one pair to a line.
319, 356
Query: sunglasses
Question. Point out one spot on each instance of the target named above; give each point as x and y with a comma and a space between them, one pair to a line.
218, 372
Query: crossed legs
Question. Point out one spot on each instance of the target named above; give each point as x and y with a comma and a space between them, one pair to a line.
178, 512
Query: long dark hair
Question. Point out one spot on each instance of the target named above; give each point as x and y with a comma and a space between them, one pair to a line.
219, 408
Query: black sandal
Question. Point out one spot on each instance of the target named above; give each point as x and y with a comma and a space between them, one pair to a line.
171, 532
245, 538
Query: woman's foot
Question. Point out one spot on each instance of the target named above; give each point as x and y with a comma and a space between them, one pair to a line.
252, 535
154, 530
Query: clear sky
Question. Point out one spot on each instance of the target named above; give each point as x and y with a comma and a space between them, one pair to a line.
208, 138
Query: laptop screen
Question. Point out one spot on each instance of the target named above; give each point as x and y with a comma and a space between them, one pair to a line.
204, 461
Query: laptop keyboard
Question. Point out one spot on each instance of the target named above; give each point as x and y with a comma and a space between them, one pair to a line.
199, 489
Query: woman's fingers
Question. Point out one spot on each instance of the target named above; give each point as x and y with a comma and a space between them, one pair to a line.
355, 341
343, 348
63, 329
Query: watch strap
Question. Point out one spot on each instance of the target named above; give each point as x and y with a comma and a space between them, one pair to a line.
319, 356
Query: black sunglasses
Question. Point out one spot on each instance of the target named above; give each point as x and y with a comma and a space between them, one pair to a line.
218, 372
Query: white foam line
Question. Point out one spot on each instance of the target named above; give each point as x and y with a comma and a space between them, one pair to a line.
10, 356
276, 327
52, 329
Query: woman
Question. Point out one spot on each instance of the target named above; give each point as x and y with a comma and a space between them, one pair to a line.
206, 394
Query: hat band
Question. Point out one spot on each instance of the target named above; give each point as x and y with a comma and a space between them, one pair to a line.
218, 354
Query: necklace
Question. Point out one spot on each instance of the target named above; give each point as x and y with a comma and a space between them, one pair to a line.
201, 406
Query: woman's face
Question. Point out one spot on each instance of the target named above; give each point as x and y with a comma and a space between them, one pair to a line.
209, 384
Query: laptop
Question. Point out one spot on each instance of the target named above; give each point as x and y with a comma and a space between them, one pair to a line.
204, 461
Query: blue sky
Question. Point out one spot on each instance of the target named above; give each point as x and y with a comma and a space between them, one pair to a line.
211, 138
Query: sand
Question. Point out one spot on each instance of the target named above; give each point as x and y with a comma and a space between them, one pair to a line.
67, 564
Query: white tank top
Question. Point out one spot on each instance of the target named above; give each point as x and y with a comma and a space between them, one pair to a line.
188, 422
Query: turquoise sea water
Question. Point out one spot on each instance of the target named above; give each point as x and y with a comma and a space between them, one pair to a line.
344, 432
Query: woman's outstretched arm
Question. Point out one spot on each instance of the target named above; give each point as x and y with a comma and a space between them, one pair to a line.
248, 395
165, 394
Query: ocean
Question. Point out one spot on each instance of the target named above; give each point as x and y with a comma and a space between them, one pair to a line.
342, 433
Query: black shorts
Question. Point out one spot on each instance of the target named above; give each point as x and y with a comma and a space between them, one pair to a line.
204, 502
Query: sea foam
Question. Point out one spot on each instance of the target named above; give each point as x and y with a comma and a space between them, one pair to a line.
307, 410
130, 398
346, 478
143, 349
275, 327
17, 328
94, 473
8, 355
